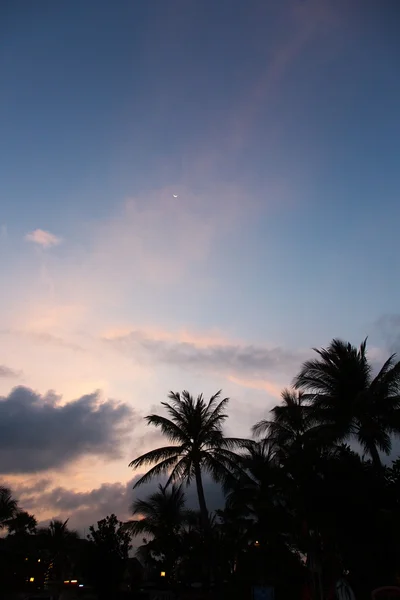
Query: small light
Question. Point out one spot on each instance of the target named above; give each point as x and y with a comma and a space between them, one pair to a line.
80, 585
67, 581
74, 581
26, 558
38, 559
256, 543
162, 573
31, 579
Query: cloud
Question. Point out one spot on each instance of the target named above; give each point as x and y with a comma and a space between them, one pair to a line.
86, 508
239, 358
38, 433
48, 338
7, 372
156, 238
389, 328
305, 21
43, 238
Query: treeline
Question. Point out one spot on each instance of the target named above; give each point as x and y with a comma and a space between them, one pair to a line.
303, 510
55, 557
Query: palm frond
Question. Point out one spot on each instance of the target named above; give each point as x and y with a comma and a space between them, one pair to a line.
155, 456
213, 400
168, 428
160, 469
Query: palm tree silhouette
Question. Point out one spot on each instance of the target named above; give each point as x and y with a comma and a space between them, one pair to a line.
8, 507
163, 516
199, 444
292, 425
348, 401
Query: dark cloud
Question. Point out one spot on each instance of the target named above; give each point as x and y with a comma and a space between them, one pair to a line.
38, 433
7, 372
86, 508
257, 360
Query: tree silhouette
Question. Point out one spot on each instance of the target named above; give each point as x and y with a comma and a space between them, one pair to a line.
8, 507
163, 516
347, 401
108, 555
195, 429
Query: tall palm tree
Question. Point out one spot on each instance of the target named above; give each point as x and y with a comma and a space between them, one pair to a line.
348, 401
8, 507
163, 516
198, 444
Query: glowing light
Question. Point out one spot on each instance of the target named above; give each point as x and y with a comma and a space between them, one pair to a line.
67, 581
74, 581
31, 579
38, 559
80, 585
162, 573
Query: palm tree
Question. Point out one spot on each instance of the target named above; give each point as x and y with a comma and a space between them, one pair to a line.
163, 516
195, 430
348, 401
259, 494
58, 540
23, 523
292, 426
8, 507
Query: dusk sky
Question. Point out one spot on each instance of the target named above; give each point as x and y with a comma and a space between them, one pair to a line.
193, 193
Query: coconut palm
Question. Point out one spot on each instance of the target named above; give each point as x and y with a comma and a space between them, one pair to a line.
259, 494
8, 507
162, 516
292, 427
59, 542
348, 401
198, 444
23, 523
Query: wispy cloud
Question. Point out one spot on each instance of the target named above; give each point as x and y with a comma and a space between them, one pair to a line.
388, 327
304, 21
220, 356
43, 238
7, 372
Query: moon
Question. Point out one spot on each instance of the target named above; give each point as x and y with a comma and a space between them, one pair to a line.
175, 195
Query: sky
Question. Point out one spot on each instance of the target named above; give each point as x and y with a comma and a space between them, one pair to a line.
193, 194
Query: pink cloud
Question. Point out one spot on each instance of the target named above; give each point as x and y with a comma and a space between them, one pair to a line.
258, 384
305, 21
43, 238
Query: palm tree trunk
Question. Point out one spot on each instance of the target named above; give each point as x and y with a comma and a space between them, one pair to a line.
206, 526
201, 497
376, 459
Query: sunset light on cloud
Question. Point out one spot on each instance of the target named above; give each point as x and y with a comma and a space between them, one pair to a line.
191, 215
43, 238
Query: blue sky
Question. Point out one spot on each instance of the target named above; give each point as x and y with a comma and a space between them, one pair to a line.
277, 126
